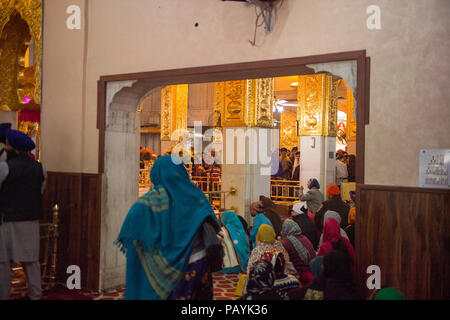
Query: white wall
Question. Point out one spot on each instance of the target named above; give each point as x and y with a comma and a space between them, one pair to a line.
409, 75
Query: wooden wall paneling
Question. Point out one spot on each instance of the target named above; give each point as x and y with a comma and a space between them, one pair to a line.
64, 189
79, 199
90, 230
405, 231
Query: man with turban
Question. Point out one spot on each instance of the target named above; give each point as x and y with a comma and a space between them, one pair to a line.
3, 128
22, 182
334, 203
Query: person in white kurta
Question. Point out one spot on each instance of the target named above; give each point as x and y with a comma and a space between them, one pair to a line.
22, 181
341, 170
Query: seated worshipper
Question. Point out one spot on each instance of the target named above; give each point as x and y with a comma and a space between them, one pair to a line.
313, 197
315, 290
335, 279
22, 183
265, 240
389, 293
333, 204
299, 249
299, 214
316, 266
284, 282
271, 214
350, 229
339, 284
260, 285
332, 240
3, 128
236, 243
335, 215
245, 226
256, 211
170, 239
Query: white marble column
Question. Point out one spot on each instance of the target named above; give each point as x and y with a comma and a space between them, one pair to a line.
249, 170
120, 185
317, 160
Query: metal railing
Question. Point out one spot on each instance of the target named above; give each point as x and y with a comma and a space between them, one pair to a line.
284, 191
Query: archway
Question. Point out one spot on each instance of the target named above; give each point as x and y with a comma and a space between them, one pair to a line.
119, 98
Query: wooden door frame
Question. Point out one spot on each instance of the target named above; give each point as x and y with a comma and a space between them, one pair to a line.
251, 70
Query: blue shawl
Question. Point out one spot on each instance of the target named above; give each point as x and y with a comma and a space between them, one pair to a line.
237, 233
159, 231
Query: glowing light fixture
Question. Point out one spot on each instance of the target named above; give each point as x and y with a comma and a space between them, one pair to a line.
294, 84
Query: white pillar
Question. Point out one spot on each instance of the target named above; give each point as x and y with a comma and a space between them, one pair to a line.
317, 160
120, 183
249, 171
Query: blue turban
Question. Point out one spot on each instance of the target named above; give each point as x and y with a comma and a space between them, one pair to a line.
314, 184
353, 196
3, 128
19, 140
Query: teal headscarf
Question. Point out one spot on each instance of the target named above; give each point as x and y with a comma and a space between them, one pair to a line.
237, 233
159, 231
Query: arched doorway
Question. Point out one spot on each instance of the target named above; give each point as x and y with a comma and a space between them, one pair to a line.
119, 98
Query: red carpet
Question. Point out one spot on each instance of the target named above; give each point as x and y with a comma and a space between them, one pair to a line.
60, 292
224, 286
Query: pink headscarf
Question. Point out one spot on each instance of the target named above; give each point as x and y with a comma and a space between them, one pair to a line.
332, 234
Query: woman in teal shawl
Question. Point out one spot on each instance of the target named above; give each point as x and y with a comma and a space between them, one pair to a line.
158, 237
238, 236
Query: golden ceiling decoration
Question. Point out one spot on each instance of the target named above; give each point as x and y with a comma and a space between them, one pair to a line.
30, 12
317, 97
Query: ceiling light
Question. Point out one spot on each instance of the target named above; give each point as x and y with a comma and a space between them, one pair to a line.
294, 84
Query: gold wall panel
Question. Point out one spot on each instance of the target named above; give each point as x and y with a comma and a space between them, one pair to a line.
351, 122
174, 101
31, 12
12, 48
317, 97
288, 129
219, 102
264, 95
244, 103
235, 104
330, 108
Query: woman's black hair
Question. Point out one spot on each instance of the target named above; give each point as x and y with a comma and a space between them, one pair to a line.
340, 246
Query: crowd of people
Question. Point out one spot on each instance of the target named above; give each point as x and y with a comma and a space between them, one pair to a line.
174, 242
289, 166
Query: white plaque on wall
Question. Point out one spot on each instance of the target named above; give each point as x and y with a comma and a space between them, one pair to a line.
434, 168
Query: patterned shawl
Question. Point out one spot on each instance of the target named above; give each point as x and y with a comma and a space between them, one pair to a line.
159, 231
290, 230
